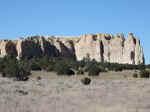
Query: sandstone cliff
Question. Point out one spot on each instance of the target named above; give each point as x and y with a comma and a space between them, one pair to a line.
101, 47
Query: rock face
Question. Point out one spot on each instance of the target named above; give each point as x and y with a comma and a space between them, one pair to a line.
101, 47
108, 48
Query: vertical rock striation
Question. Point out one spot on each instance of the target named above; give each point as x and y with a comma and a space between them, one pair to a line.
106, 48
101, 47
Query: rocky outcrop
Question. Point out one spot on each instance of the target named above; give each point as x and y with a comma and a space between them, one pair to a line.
7, 47
101, 47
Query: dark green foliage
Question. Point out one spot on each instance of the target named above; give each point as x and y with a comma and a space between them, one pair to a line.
15, 69
24, 64
86, 81
113, 66
69, 72
35, 66
144, 74
10, 67
44, 62
119, 67
2, 65
90, 65
135, 75
39, 78
50, 68
74, 64
11, 50
94, 71
102, 69
80, 72
22, 92
63, 69
50, 64
22, 74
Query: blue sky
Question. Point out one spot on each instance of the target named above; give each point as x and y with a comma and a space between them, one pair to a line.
22, 18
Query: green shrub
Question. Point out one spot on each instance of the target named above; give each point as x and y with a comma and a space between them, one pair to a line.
15, 69
144, 74
24, 64
115, 67
50, 68
119, 67
22, 75
11, 68
102, 69
35, 66
86, 81
69, 72
39, 78
80, 72
44, 62
90, 64
2, 64
135, 75
63, 69
94, 71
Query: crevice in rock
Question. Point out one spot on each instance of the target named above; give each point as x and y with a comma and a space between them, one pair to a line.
102, 51
132, 56
134, 40
123, 41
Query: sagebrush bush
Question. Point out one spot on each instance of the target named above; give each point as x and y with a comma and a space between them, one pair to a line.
15, 69
90, 64
22, 74
2, 62
20, 69
86, 81
144, 74
135, 75
80, 72
11, 68
50, 68
94, 71
63, 69
39, 78
44, 62
35, 67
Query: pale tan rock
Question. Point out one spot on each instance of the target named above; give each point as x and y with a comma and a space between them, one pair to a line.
105, 40
3, 48
101, 47
7, 47
116, 49
139, 57
106, 48
88, 46
129, 49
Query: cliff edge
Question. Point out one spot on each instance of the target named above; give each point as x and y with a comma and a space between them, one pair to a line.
101, 47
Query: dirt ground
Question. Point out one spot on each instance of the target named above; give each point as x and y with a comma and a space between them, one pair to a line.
109, 92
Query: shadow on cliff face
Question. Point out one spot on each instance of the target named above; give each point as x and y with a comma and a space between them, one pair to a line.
132, 56
38, 46
34, 49
102, 51
67, 52
30, 49
50, 50
11, 49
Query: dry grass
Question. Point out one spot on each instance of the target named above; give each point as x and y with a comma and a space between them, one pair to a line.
109, 92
